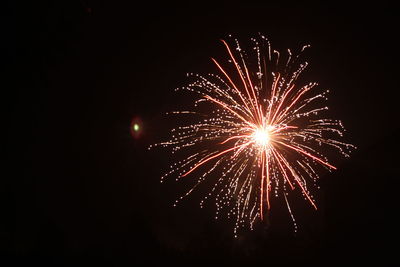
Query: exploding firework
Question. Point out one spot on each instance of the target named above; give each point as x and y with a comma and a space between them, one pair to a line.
262, 132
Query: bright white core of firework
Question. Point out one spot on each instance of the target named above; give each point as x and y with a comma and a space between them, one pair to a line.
262, 136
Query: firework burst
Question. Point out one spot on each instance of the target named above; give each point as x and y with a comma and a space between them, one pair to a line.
262, 135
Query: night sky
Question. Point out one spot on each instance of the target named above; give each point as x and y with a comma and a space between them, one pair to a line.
78, 190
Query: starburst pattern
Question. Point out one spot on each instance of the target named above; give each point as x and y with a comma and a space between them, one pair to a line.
261, 132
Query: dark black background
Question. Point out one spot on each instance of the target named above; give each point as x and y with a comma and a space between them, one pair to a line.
78, 190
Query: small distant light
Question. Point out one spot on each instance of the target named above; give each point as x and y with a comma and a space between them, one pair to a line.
136, 127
